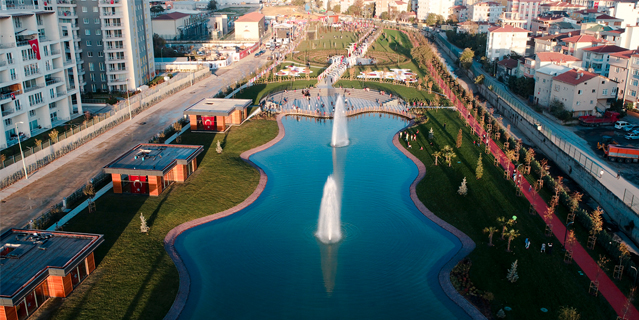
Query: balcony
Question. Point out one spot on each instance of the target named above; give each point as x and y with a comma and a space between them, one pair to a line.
116, 36
20, 7
10, 95
7, 111
117, 81
69, 62
53, 81
7, 45
110, 2
117, 14
31, 73
3, 64
21, 43
116, 59
114, 48
66, 1
112, 25
55, 52
67, 14
29, 89
61, 94
117, 70
44, 39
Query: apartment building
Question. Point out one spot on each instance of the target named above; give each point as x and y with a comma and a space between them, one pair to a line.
575, 44
628, 12
550, 43
582, 92
512, 19
38, 73
624, 71
502, 40
426, 7
527, 10
543, 79
127, 42
596, 59
485, 12
560, 6
460, 12
541, 59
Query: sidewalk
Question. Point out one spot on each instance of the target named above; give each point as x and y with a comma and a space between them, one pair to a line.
607, 288
28, 199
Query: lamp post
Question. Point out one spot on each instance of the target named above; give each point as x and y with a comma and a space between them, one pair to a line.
128, 102
635, 276
24, 166
566, 231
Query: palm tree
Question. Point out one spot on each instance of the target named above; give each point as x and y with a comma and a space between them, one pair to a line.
448, 154
504, 222
490, 231
512, 234
437, 154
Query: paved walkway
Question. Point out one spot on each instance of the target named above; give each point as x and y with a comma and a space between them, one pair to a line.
28, 199
608, 289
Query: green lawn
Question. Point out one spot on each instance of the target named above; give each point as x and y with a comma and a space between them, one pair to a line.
545, 280
135, 278
258, 91
329, 40
406, 93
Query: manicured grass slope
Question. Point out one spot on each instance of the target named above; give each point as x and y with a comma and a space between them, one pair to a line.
545, 280
135, 278
406, 93
259, 91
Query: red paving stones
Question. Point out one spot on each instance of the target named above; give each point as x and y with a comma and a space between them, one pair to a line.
607, 288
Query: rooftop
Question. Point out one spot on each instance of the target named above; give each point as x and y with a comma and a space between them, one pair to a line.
553, 69
555, 57
508, 28
217, 107
508, 63
149, 159
29, 256
574, 77
171, 16
582, 38
251, 17
605, 49
606, 17
625, 54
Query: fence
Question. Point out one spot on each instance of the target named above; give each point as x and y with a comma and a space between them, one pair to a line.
67, 141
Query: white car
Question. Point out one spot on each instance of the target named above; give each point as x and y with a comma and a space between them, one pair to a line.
619, 124
631, 136
630, 127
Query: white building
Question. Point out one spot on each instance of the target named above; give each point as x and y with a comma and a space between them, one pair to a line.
485, 12
502, 40
127, 41
543, 78
582, 92
627, 11
441, 7
527, 10
38, 73
624, 71
596, 59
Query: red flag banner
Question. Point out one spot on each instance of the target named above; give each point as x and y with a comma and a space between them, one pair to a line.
35, 47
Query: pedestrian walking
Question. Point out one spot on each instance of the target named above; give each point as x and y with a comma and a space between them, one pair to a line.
526, 243
543, 249
550, 247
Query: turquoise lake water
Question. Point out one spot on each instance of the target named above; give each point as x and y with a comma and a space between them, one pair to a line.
265, 263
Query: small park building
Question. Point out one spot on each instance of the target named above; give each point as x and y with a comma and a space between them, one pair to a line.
150, 168
36, 265
216, 114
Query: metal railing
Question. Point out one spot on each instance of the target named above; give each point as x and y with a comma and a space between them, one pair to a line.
8, 111
53, 81
113, 24
3, 63
29, 89
7, 45
55, 52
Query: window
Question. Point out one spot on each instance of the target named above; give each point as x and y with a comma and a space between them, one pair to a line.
88, 43
95, 9
92, 77
103, 77
16, 103
557, 87
32, 113
100, 54
588, 55
52, 105
544, 80
17, 23
35, 99
579, 91
85, 20
96, 21
591, 101
84, 9
593, 90
633, 93
99, 43
91, 67
89, 54
98, 32
7, 122
605, 92
54, 116
87, 32
634, 82
577, 103
52, 93
93, 87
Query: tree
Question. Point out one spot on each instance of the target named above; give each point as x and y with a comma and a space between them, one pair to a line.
448, 154
431, 19
384, 16
479, 169
436, 155
512, 274
212, 5
463, 187
218, 147
512, 234
596, 224
335, 9
479, 79
568, 313
557, 108
143, 224
504, 223
156, 9
53, 135
490, 231
466, 58
89, 190
459, 139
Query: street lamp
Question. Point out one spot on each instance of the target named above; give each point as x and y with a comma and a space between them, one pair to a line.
566, 231
128, 102
635, 276
24, 166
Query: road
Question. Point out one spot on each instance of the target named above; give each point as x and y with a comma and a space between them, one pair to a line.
28, 199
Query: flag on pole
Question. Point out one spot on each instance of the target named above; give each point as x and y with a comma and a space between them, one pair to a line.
35, 47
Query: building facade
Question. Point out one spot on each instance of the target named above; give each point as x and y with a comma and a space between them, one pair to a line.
486, 12
441, 7
596, 59
250, 26
543, 79
127, 42
38, 73
624, 71
502, 40
527, 10
582, 92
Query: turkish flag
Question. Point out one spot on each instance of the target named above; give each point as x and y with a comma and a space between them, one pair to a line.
35, 47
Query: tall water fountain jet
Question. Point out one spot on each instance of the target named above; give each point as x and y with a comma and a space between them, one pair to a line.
329, 221
340, 135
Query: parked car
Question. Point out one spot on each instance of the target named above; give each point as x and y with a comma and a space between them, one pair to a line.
619, 124
631, 136
630, 127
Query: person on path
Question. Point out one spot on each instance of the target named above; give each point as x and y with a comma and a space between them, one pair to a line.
444, 125
543, 248
526, 243
550, 247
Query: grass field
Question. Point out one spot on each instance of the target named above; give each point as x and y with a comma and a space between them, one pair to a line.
135, 278
258, 91
545, 280
406, 93
332, 40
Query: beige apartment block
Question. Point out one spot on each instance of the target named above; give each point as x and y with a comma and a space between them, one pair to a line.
624, 71
582, 92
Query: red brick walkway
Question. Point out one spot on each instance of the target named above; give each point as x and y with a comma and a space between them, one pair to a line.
607, 288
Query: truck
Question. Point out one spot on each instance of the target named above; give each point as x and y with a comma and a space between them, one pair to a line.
616, 152
608, 119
